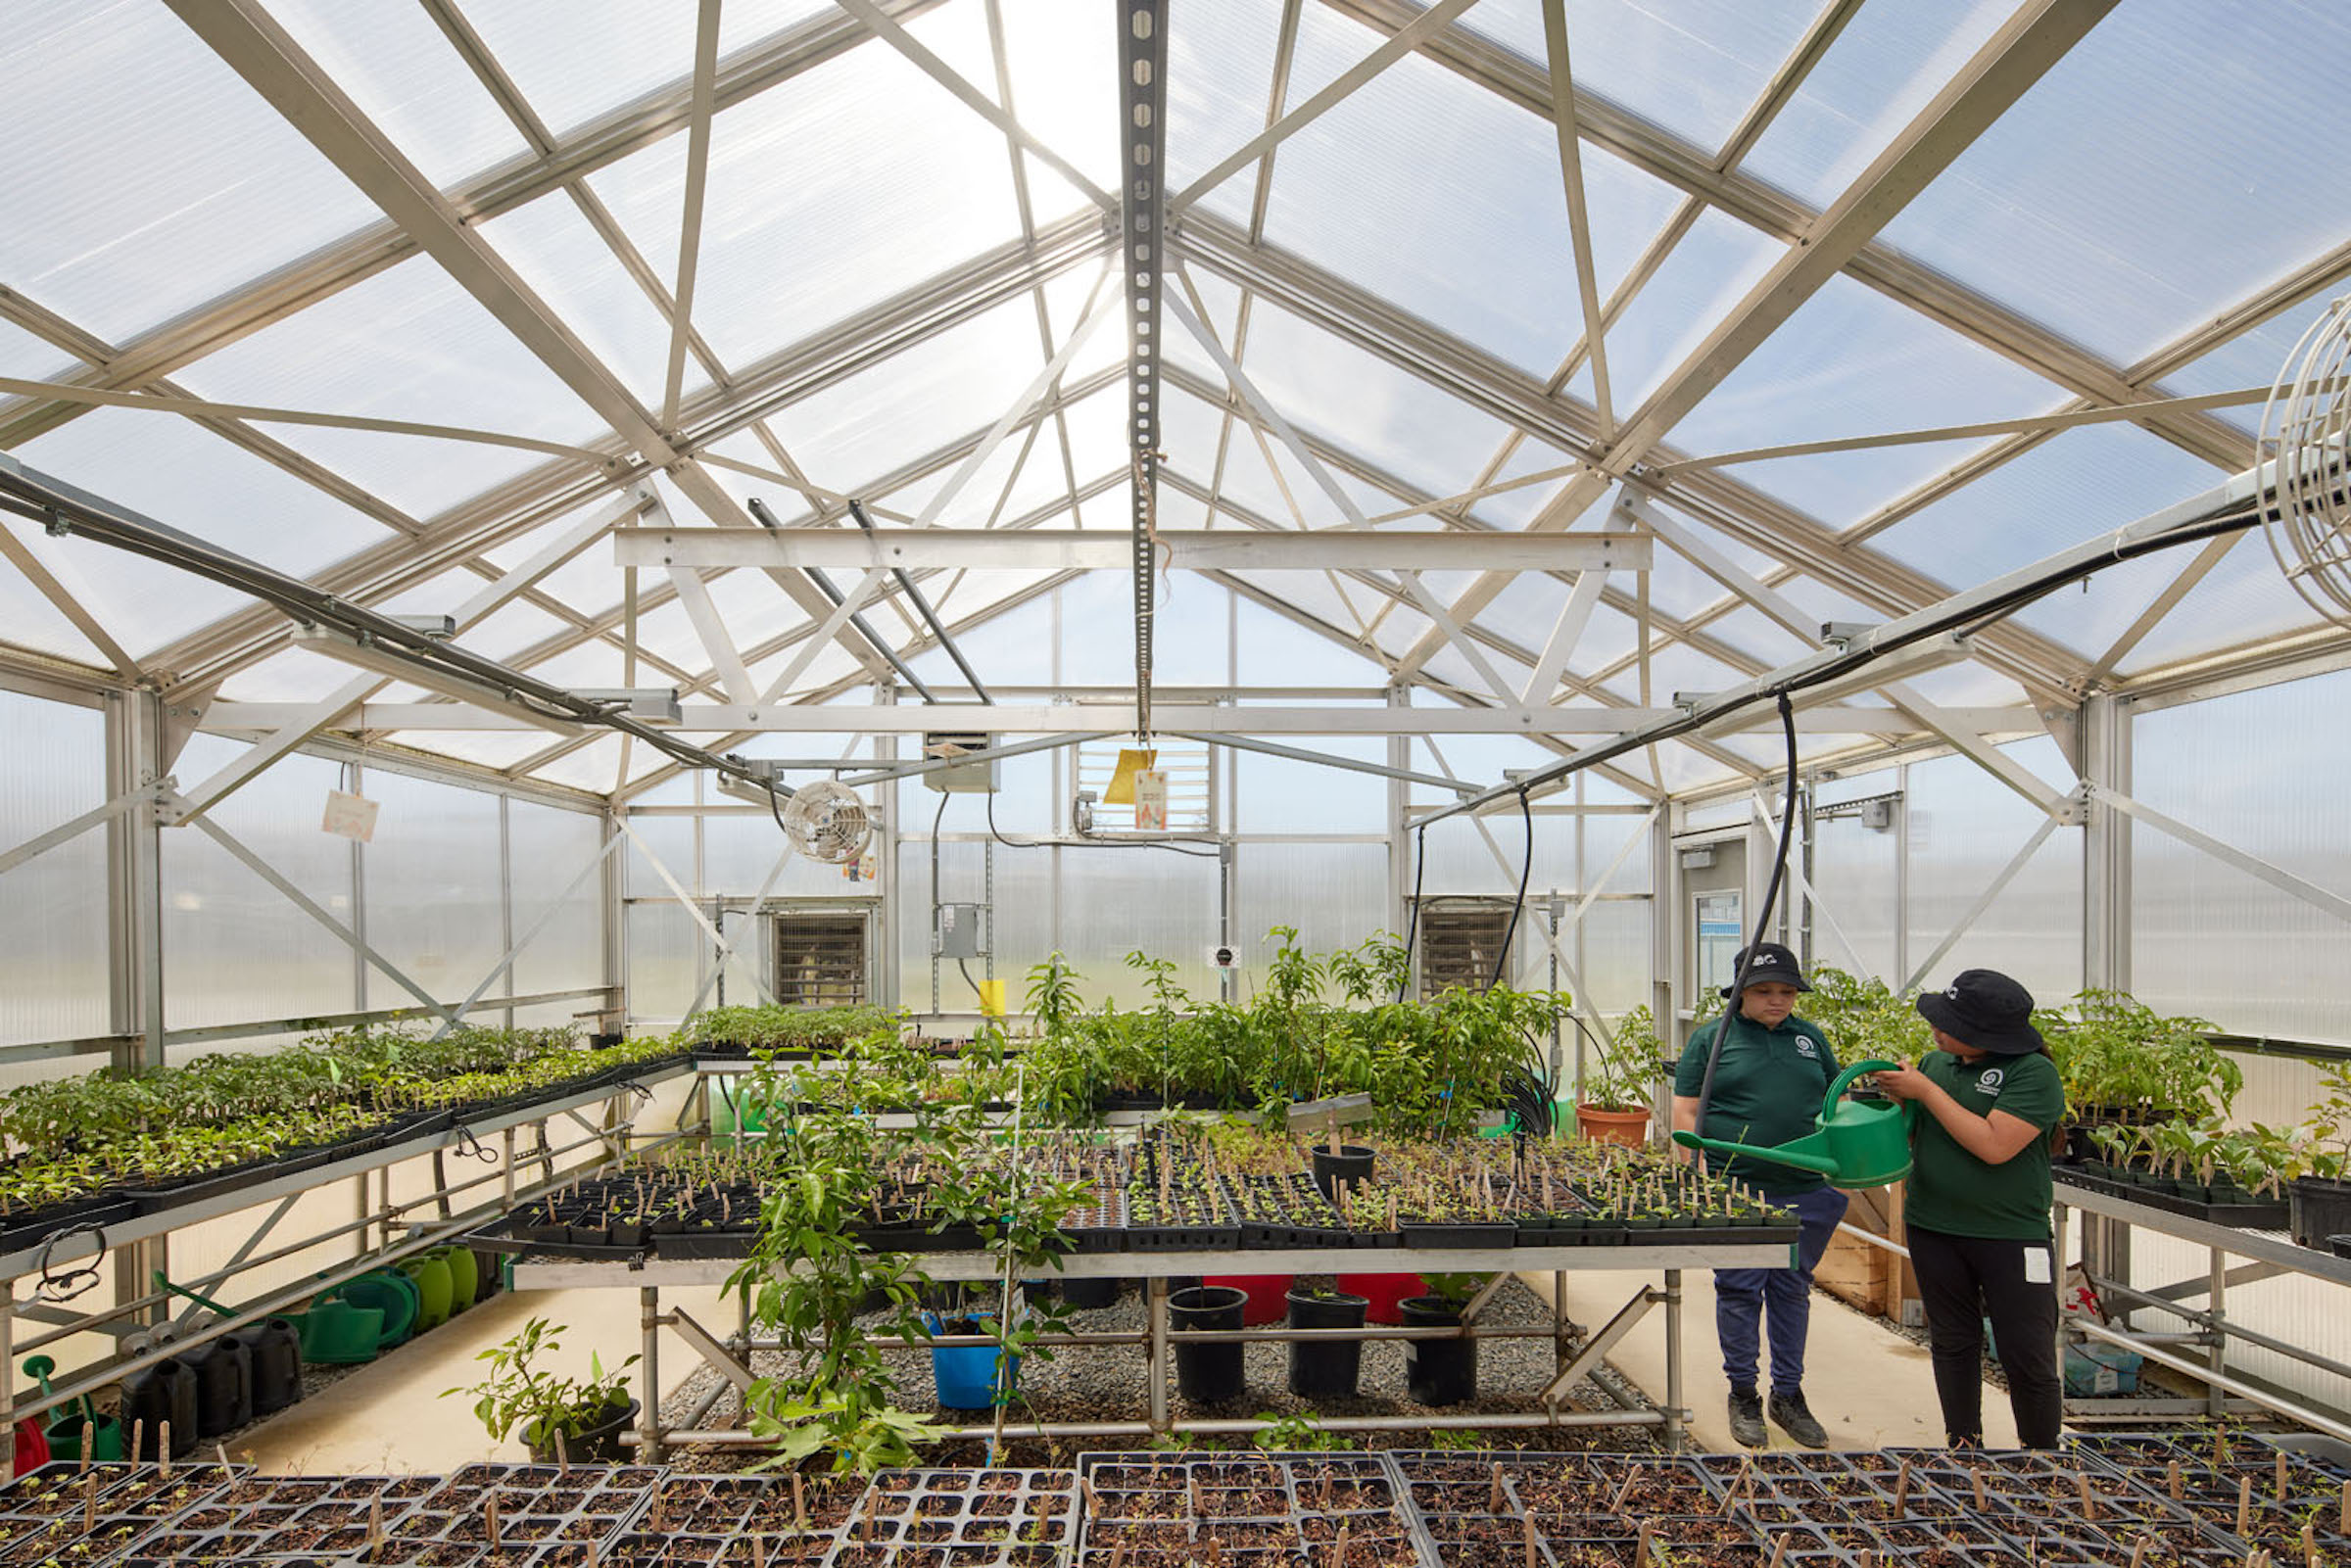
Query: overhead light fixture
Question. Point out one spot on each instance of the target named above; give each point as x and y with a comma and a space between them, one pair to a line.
654, 704
408, 667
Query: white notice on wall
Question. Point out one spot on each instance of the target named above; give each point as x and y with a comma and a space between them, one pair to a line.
1151, 800
349, 816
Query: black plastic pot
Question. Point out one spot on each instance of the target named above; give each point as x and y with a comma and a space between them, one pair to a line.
1325, 1369
1208, 1373
2319, 1209
1090, 1294
1353, 1162
600, 1442
1437, 1371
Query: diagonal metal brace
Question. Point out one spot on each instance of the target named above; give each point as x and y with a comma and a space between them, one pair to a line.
1599, 1345
708, 1347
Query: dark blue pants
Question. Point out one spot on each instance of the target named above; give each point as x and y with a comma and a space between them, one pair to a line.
1743, 1297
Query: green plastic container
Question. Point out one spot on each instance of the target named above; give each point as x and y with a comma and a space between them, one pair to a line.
464, 1276
63, 1431
395, 1296
336, 1333
729, 1118
1855, 1144
436, 1291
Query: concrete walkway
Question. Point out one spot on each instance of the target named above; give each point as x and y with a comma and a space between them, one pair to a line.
1868, 1386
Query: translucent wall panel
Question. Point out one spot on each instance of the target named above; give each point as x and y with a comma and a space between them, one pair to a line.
2257, 773
549, 848
235, 949
1964, 827
1282, 797
1616, 966
667, 954
403, 75
741, 852
53, 924
1336, 895
434, 904
1855, 871
1118, 901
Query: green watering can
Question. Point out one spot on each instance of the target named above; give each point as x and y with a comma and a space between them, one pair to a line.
64, 1432
1854, 1143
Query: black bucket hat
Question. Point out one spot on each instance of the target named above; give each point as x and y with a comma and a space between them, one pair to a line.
1774, 966
1986, 1010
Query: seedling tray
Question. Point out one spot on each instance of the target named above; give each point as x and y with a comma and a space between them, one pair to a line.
693, 1244
974, 1519
1458, 1236
503, 1237
2269, 1215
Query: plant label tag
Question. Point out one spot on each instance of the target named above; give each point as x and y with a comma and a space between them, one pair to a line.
2037, 1265
349, 816
1151, 800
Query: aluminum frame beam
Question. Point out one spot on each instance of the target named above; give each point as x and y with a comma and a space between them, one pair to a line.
1082, 550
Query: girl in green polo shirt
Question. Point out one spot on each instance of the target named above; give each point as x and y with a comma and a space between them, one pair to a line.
1977, 1209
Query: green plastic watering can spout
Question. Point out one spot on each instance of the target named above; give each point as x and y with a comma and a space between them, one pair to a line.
1853, 1145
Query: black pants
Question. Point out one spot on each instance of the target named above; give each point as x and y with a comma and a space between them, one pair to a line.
1963, 1280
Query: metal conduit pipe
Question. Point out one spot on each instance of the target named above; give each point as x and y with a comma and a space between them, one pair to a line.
922, 606
824, 585
1401, 1422
2226, 1328
2220, 1379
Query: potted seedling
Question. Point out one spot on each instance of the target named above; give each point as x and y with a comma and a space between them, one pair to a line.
1620, 1082
588, 1415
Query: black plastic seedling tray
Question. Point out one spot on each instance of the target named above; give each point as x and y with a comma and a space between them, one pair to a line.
995, 1518
2269, 1215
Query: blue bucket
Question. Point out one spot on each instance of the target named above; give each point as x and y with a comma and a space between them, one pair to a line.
966, 1374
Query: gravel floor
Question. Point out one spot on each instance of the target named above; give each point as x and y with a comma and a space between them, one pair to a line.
1107, 1383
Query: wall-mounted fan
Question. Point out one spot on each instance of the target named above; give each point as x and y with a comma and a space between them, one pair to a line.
827, 823
2306, 422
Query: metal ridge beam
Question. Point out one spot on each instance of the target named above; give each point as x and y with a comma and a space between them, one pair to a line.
1082, 550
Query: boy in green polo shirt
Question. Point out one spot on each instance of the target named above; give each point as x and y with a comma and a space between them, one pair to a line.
1977, 1209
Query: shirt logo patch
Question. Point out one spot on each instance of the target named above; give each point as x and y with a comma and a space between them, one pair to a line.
1992, 1079
1804, 1047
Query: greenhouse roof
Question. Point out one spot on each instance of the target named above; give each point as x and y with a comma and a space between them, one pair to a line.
427, 304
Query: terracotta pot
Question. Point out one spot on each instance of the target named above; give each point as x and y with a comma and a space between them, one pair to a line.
1596, 1125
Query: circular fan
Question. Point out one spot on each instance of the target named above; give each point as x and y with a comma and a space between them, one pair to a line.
2305, 422
827, 823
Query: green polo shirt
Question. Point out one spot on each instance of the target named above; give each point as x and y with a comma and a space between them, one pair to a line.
1768, 1090
1952, 1191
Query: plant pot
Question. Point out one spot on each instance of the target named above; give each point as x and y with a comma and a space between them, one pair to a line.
1385, 1291
598, 1443
1353, 1162
1207, 1374
1596, 1125
1265, 1295
1323, 1369
967, 1376
2319, 1209
1437, 1371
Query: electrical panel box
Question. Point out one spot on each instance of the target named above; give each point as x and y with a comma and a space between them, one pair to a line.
961, 931
976, 777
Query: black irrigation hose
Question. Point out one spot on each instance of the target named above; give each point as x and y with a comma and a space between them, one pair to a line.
1411, 916
1526, 868
1094, 843
1771, 896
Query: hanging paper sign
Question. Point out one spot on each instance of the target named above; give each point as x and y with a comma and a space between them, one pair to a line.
349, 816
1151, 802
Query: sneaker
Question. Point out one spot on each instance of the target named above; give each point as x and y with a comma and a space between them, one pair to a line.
1787, 1410
1747, 1419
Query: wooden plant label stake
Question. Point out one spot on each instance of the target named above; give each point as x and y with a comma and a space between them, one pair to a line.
92, 1443
1117, 1555
1494, 1492
1199, 1507
2245, 1506
1624, 1492
563, 1468
1901, 1490
89, 1507
2342, 1518
1869, 1559
2172, 1480
2138, 1552
1215, 1551
1338, 1548
1641, 1546
1975, 1473
1532, 1560
1779, 1548
375, 1520
2281, 1475
2089, 1499
490, 1519
799, 1503
2310, 1547
221, 1451
138, 1441
870, 1497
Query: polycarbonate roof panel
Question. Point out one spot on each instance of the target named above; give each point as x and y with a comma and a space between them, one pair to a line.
2254, 359
1852, 362
1220, 77
597, 764
1065, 93
28, 620
1470, 229
1272, 646
576, 60
31, 357
491, 748
1516, 509
404, 344
551, 243
826, 194
1879, 74
2244, 596
1709, 271
147, 177
1757, 635
1014, 649
2078, 484
404, 77
949, 388
1365, 405
2160, 170
1691, 65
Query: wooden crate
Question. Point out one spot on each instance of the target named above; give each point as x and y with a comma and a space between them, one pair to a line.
1862, 1275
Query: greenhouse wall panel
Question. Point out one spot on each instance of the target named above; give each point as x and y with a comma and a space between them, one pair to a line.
53, 908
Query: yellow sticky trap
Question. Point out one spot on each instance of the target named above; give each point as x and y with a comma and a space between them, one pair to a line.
991, 999
1121, 791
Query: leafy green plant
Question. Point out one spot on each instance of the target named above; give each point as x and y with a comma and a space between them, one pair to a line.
1623, 1073
1458, 1439
1297, 1432
2123, 1060
516, 1393
1455, 1291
